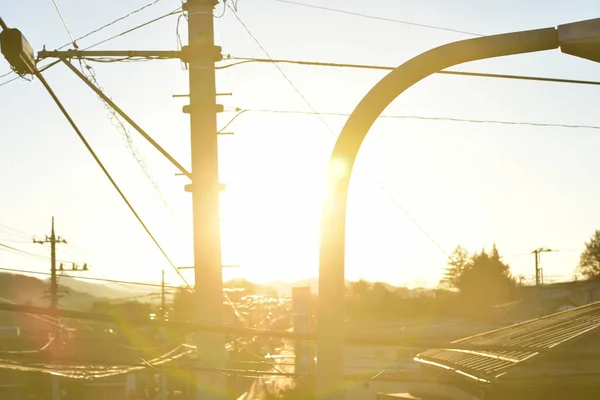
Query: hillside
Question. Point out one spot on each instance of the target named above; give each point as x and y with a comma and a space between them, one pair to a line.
23, 289
112, 291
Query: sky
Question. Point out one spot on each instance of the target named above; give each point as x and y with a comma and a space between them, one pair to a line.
420, 188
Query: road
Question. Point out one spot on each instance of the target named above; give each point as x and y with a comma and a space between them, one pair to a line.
273, 384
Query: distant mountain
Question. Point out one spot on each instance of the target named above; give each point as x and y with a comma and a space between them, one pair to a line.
107, 291
76, 294
23, 289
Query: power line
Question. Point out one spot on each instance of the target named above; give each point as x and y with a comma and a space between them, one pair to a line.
111, 23
397, 21
156, 285
17, 232
134, 151
238, 113
174, 12
442, 119
15, 250
108, 175
64, 23
279, 68
44, 68
120, 124
246, 60
92, 78
10, 80
315, 112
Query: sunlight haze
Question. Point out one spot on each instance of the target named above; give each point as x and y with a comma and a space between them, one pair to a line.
420, 187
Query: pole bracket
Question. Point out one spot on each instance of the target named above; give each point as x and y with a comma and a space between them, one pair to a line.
201, 52
187, 109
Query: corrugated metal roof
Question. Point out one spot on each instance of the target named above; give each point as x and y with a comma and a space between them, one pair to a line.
521, 342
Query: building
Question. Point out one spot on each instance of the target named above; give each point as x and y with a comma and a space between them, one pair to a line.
548, 299
553, 357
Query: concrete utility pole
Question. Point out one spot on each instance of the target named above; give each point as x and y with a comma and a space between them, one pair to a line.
538, 274
53, 240
205, 190
538, 278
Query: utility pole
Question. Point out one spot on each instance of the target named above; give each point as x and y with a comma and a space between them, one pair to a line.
200, 54
53, 240
205, 190
538, 277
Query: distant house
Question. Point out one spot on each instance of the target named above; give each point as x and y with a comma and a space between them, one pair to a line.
548, 299
553, 357
579, 292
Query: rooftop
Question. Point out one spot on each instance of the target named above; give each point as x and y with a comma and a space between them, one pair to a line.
488, 356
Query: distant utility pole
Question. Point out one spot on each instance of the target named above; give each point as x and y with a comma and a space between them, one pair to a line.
53, 240
538, 271
538, 277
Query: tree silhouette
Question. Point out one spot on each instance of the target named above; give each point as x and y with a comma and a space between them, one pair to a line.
359, 289
457, 262
483, 279
589, 261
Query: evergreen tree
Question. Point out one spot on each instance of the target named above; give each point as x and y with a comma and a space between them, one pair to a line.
589, 261
482, 280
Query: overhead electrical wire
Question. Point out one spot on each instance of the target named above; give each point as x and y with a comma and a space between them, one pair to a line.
42, 69
122, 128
15, 250
10, 80
126, 134
239, 112
109, 176
90, 74
426, 118
397, 21
308, 103
64, 23
89, 278
259, 44
17, 232
246, 60
110, 23
174, 12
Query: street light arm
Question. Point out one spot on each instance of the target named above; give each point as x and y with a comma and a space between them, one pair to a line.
331, 313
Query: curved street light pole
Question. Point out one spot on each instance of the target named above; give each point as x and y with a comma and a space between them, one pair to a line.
579, 39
